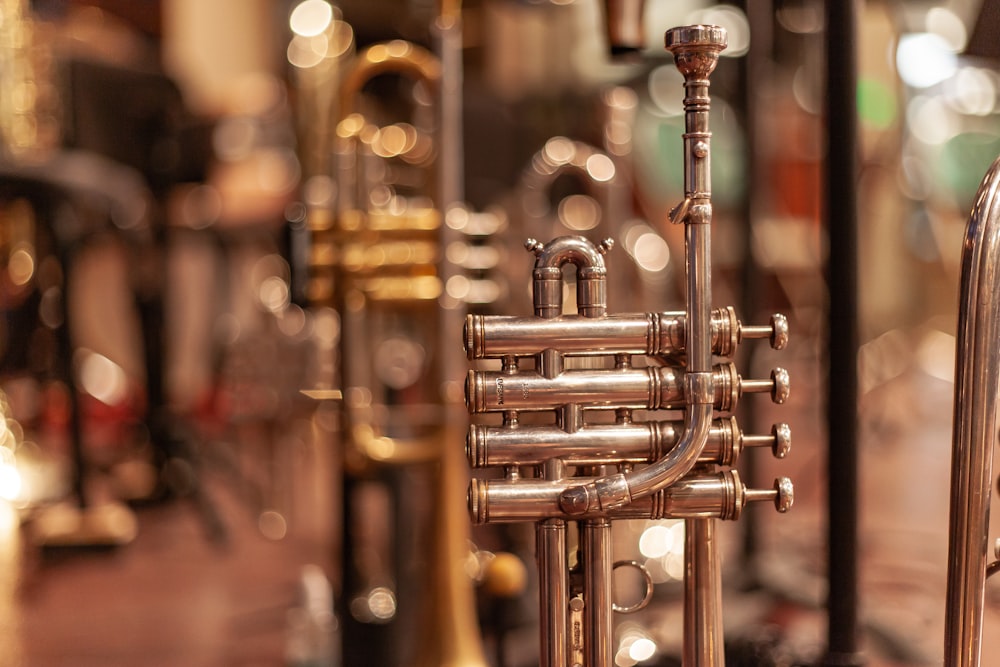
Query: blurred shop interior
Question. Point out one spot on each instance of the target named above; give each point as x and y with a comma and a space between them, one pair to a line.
180, 482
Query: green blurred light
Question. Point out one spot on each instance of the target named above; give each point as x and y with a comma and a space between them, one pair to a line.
876, 104
963, 161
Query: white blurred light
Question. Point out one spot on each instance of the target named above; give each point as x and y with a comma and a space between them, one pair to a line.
733, 20
673, 562
306, 52
652, 252
382, 603
558, 151
805, 90
946, 23
458, 287
10, 482
327, 325
642, 649
10, 477
973, 91
925, 59
656, 541
665, 89
102, 378
600, 168
674, 565
662, 544
623, 659
930, 120
310, 17
293, 320
936, 355
483, 291
274, 294
21, 264
634, 646
804, 19
579, 212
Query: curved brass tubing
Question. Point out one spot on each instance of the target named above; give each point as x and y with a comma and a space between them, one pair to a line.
977, 376
395, 56
390, 272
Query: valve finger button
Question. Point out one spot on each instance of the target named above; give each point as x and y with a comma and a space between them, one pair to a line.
779, 331
776, 332
782, 385
779, 440
782, 495
782, 440
777, 386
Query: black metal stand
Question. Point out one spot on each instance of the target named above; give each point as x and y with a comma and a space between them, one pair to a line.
840, 221
73, 195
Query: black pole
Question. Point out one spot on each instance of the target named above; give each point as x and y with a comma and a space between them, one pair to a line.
840, 210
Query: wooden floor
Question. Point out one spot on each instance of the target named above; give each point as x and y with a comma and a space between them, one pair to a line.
173, 597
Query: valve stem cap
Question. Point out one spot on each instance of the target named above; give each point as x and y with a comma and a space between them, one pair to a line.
779, 332
782, 434
782, 385
783, 494
778, 386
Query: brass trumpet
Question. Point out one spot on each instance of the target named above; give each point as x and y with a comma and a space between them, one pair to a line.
380, 261
612, 385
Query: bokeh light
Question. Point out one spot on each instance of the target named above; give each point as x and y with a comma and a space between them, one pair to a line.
310, 18
925, 59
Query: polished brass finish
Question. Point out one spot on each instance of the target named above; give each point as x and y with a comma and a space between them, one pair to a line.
654, 334
977, 382
381, 264
317, 63
380, 260
570, 389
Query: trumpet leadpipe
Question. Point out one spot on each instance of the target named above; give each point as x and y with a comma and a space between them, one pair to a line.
599, 444
653, 334
721, 495
652, 388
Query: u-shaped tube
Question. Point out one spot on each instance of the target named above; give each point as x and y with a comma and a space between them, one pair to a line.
591, 275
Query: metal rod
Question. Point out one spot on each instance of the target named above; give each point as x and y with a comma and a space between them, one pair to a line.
595, 540
841, 225
702, 595
550, 548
